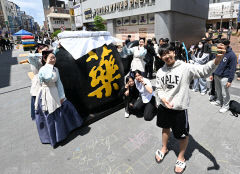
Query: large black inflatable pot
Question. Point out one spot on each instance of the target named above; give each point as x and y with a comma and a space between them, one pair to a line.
92, 82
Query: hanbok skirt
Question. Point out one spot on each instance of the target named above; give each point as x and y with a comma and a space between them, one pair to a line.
55, 127
33, 98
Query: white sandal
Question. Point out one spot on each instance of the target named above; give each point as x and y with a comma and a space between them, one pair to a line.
180, 164
160, 155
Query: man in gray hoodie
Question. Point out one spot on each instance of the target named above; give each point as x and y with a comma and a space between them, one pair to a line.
172, 89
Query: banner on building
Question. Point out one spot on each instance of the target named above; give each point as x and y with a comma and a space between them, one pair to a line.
78, 21
78, 15
71, 11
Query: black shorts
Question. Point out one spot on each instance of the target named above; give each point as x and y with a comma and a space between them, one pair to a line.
177, 120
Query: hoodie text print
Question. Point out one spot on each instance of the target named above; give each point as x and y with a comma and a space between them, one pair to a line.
172, 83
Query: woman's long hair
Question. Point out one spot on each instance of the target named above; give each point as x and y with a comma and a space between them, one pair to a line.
200, 51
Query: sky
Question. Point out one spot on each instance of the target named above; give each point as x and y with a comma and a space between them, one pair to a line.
33, 8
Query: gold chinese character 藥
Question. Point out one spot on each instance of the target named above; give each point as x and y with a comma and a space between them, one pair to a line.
103, 74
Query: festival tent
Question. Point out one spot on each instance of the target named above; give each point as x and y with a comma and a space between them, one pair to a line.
22, 33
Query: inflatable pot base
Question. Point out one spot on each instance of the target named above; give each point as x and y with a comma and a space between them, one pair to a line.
95, 117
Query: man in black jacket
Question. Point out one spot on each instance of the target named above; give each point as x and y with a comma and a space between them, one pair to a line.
224, 76
149, 57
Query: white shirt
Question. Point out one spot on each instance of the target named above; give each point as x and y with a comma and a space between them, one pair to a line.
138, 56
146, 96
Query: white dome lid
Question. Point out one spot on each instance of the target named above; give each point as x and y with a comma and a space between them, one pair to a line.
79, 43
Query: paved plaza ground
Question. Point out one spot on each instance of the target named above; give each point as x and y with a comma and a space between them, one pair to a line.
114, 144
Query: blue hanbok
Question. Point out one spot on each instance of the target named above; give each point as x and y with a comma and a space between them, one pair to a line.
54, 120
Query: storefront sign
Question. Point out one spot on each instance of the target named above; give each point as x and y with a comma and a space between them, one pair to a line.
88, 13
71, 11
119, 6
136, 31
223, 10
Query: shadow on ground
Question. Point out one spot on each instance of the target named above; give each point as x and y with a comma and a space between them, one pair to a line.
192, 146
6, 61
79, 131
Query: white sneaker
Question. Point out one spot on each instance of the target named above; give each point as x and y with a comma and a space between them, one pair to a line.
194, 90
126, 115
223, 110
203, 93
216, 103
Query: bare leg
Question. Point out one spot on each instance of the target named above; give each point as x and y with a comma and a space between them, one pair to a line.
165, 136
183, 146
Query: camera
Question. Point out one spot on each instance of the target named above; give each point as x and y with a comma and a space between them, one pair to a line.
215, 49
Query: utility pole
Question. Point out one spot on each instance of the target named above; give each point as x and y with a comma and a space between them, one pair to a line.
221, 17
231, 15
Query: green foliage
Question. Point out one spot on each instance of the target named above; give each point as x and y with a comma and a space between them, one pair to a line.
56, 33
99, 23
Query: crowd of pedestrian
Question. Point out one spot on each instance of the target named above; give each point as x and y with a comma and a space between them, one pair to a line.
5, 44
177, 69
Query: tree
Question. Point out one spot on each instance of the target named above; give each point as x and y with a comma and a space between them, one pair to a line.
99, 23
56, 33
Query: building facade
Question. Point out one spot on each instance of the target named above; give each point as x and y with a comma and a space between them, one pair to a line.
223, 15
12, 19
150, 18
47, 4
218, 1
3, 17
58, 21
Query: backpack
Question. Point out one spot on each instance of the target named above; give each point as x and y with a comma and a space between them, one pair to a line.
234, 107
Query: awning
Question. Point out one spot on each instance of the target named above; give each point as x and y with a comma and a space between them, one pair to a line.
22, 33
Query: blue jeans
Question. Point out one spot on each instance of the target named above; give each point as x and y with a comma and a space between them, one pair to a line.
200, 84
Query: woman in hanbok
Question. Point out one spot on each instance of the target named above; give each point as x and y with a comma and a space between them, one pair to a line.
138, 53
34, 60
56, 117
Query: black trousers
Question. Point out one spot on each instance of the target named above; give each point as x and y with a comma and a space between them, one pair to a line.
129, 105
149, 70
212, 85
238, 74
149, 109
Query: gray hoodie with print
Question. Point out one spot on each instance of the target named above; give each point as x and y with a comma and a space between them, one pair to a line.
172, 83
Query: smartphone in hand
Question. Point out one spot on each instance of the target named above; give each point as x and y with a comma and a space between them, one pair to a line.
214, 49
